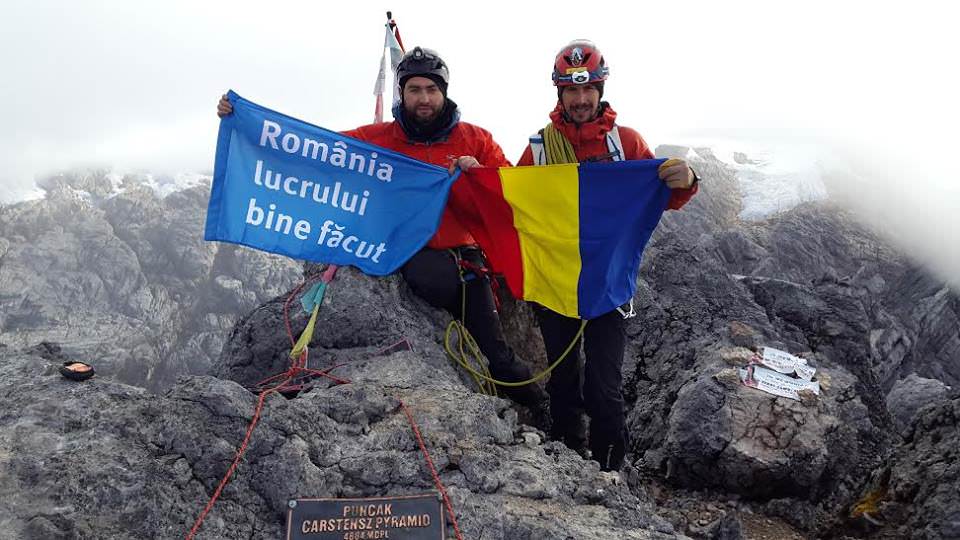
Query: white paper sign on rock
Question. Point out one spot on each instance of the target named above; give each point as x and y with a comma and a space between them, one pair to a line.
785, 362
778, 384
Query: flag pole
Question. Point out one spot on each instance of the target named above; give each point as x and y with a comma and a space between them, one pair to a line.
394, 45
395, 29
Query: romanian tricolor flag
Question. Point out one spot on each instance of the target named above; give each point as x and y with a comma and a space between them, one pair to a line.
569, 237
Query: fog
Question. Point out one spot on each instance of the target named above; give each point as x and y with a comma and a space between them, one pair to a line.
874, 85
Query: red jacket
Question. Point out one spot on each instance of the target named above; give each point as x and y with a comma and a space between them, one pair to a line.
464, 140
589, 140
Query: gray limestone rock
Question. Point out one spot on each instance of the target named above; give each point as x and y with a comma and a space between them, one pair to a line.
911, 394
916, 494
125, 280
101, 459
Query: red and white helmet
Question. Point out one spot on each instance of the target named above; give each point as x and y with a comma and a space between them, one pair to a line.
580, 62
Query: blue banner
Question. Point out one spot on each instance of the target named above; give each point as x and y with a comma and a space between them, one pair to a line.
288, 187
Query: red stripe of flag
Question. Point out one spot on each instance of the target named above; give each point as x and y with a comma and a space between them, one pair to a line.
396, 33
493, 228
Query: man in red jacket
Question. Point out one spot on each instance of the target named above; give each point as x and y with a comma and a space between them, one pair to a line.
427, 127
582, 128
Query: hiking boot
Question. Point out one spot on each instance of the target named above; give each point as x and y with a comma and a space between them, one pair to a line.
572, 431
608, 451
610, 456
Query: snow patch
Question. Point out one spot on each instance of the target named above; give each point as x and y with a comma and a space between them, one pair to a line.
773, 178
16, 195
119, 181
80, 194
692, 155
164, 185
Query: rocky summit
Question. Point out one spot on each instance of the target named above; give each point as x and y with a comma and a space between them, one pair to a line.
181, 333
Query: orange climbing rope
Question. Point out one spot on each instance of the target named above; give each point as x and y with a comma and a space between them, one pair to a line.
287, 380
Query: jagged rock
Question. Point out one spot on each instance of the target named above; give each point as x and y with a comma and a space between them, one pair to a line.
727, 527
125, 281
929, 313
354, 323
749, 442
94, 182
851, 280
911, 394
744, 337
742, 159
810, 279
101, 459
916, 494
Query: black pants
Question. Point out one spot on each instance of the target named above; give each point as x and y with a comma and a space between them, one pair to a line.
600, 392
435, 276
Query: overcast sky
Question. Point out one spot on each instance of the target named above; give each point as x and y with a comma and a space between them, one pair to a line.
134, 84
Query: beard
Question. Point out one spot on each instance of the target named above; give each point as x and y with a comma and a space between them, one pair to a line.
582, 112
425, 114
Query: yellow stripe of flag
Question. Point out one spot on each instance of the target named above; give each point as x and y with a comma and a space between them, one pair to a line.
546, 215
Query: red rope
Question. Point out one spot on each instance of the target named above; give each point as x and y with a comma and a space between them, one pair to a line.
233, 466
433, 470
298, 369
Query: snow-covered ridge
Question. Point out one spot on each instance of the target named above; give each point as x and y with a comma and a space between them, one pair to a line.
162, 185
94, 185
773, 179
